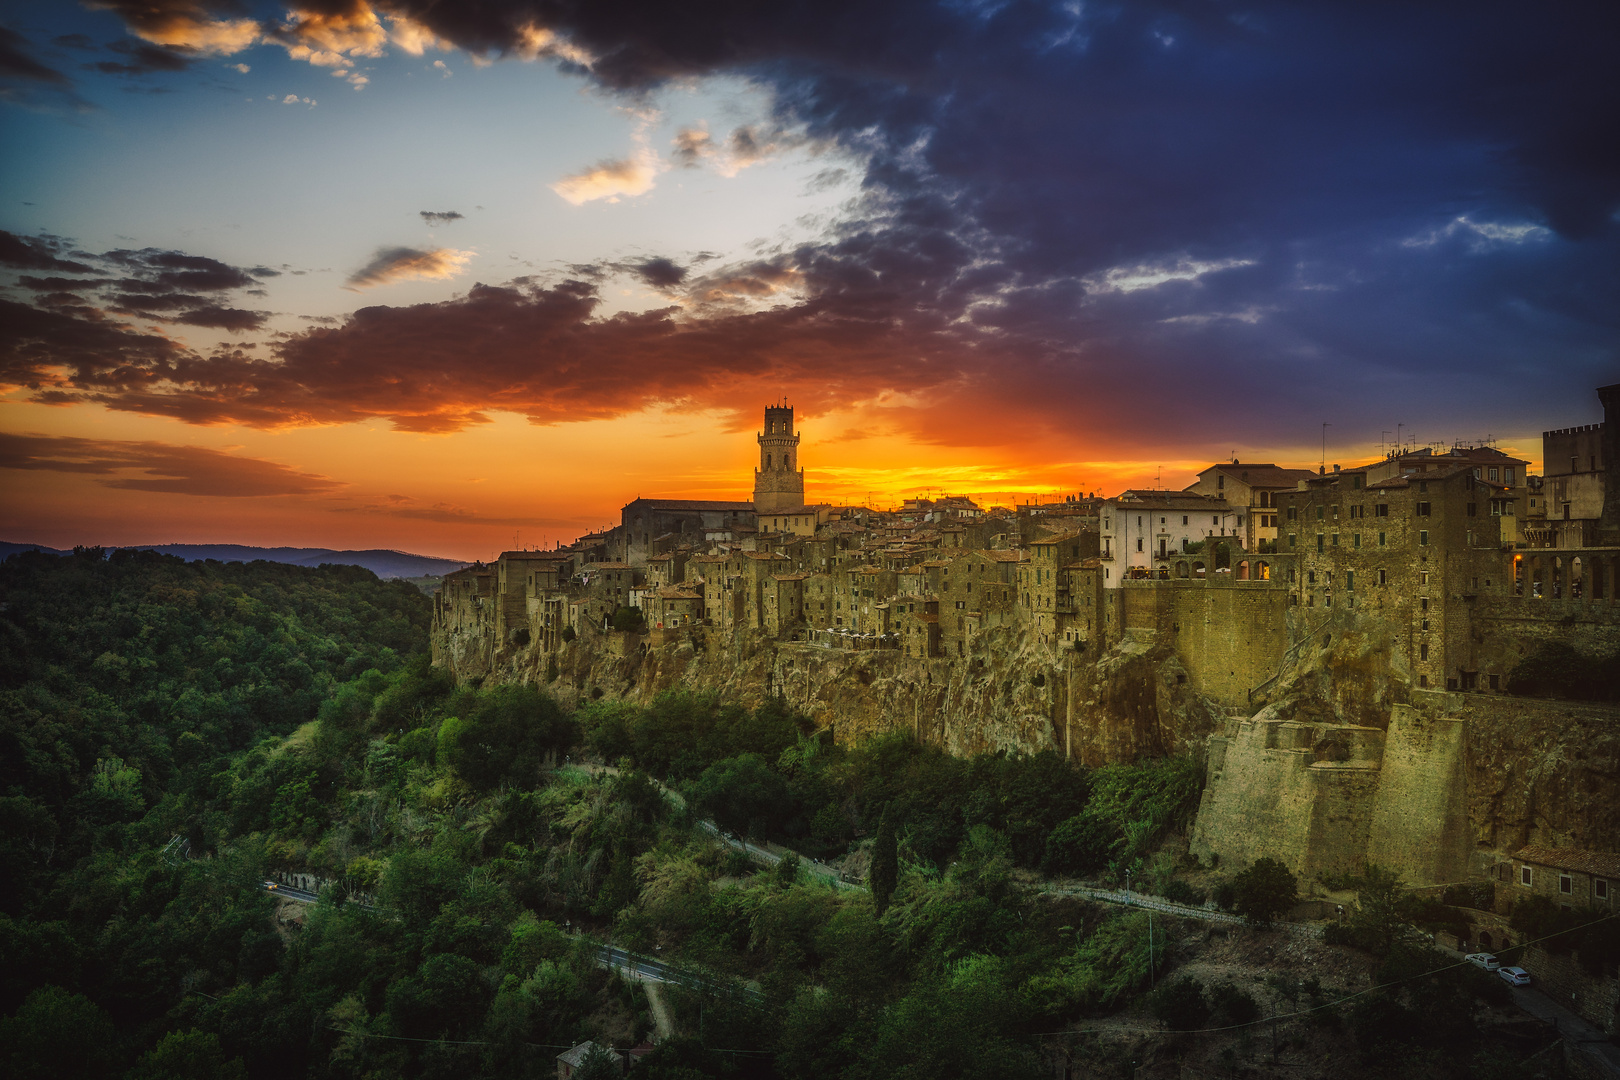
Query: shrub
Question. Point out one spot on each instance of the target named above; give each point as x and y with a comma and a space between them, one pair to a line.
1264, 891
1179, 892
1180, 1005
1230, 1006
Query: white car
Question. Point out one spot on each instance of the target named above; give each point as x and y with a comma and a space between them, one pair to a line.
1484, 960
1516, 976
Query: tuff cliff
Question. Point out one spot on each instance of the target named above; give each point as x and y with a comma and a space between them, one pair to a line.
1135, 700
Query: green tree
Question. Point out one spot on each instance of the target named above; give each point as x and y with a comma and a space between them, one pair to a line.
502, 736
56, 1033
1265, 891
188, 1055
885, 872
1180, 1004
1383, 909
743, 795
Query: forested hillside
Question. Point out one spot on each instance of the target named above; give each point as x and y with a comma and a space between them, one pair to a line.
175, 733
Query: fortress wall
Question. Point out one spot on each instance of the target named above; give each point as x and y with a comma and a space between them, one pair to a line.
1342, 798
1420, 814
1229, 638
1263, 796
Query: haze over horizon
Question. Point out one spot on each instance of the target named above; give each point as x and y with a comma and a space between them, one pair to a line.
450, 279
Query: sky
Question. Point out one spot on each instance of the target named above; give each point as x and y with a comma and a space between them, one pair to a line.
453, 278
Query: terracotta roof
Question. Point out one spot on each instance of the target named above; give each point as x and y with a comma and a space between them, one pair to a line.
609, 566
1604, 864
1260, 474
789, 577
1005, 555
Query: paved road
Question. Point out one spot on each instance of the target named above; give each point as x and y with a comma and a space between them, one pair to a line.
303, 896
1582, 1037
646, 969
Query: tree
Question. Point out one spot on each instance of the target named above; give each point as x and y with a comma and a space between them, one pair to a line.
1383, 908
598, 1063
787, 871
743, 795
188, 1055
885, 872
1180, 1004
502, 736
1265, 891
56, 1034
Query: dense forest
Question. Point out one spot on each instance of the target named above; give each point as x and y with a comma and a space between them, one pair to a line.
173, 734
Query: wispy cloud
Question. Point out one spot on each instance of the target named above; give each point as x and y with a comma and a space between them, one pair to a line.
390, 265
159, 467
613, 179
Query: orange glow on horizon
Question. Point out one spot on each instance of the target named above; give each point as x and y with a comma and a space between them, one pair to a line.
506, 483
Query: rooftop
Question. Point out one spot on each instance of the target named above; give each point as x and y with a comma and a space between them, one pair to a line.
1605, 864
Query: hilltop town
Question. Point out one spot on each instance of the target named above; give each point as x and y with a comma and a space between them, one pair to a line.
1352, 650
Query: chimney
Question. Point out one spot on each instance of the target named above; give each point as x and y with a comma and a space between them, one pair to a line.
1335, 468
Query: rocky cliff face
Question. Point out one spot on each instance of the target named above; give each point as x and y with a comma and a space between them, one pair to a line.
1134, 701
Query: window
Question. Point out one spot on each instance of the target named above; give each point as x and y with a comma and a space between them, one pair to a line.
1293, 538
1524, 875
1161, 521
1473, 509
1215, 519
1423, 538
1319, 542
1381, 510
1423, 604
1600, 887
1423, 652
1220, 482
1320, 512
1355, 483
1423, 487
1423, 509
1382, 540
1310, 577
1507, 477
1293, 513
1355, 540
1383, 577
1423, 577
1184, 519
1349, 579
1335, 540
1138, 543
1495, 474
1138, 521
1423, 681
1566, 884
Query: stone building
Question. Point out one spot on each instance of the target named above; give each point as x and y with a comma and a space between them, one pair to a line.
1254, 487
1143, 531
1566, 876
1415, 551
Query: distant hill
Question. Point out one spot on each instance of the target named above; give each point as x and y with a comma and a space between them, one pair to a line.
383, 563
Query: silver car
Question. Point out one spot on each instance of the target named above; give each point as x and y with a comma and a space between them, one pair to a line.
1516, 976
1484, 960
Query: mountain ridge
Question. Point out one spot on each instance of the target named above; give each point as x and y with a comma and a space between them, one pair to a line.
384, 562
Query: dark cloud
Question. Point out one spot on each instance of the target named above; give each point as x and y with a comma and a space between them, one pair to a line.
74, 41
216, 317
37, 253
660, 273
440, 217
163, 270
158, 467
143, 59
16, 62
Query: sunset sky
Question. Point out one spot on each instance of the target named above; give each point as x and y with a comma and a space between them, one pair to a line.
450, 277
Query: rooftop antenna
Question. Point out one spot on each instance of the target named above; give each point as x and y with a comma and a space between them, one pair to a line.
1383, 438
1398, 428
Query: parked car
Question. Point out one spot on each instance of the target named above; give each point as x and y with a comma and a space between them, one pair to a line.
1484, 960
1517, 976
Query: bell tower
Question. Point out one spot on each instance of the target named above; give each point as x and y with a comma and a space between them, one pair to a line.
778, 481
